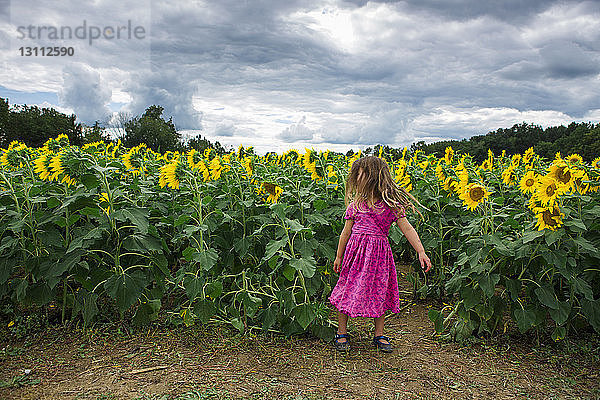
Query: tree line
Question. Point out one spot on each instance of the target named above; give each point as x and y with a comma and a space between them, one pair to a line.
33, 126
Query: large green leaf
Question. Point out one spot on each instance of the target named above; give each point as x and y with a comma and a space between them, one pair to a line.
524, 318
147, 312
561, 313
306, 265
126, 288
591, 310
204, 309
546, 296
304, 314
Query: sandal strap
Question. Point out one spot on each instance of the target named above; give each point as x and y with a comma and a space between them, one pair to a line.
343, 335
377, 338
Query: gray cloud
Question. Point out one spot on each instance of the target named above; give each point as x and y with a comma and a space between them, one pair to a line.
85, 93
297, 132
169, 88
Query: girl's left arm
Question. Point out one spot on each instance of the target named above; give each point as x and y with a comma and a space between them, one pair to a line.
413, 238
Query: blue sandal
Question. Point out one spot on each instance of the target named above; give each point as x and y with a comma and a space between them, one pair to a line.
341, 346
385, 347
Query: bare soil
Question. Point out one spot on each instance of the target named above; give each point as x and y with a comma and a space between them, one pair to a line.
212, 362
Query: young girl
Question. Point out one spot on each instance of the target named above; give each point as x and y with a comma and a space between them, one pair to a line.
368, 285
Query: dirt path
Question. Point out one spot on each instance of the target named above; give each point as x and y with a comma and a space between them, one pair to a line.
209, 363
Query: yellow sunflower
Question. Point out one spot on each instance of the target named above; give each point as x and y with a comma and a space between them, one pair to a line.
448, 155
548, 217
548, 190
561, 172
574, 158
42, 166
508, 176
528, 182
273, 190
596, 163
473, 195
216, 168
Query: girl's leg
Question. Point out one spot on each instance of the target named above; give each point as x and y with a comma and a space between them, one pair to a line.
342, 325
379, 321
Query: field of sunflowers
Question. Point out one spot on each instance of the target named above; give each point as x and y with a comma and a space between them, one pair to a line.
103, 233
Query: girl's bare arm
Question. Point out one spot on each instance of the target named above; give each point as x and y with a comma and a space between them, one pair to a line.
413, 238
411, 234
344, 236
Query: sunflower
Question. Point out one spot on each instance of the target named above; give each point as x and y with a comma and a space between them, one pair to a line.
309, 161
508, 176
596, 163
548, 217
439, 173
247, 164
193, 158
473, 195
515, 160
574, 158
450, 185
448, 155
486, 165
548, 190
171, 174
528, 155
273, 190
579, 180
42, 166
528, 182
216, 168
561, 172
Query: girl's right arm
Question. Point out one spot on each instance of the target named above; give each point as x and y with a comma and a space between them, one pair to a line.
345, 235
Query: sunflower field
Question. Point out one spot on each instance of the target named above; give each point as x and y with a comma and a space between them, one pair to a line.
104, 233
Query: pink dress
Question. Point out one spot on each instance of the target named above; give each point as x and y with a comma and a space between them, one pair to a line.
368, 283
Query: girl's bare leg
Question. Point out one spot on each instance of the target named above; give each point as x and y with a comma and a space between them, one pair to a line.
342, 325
379, 328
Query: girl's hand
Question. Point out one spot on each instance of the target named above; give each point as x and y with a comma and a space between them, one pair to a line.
424, 260
337, 264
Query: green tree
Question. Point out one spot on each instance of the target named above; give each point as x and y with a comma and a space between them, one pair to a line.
150, 128
95, 133
200, 144
34, 126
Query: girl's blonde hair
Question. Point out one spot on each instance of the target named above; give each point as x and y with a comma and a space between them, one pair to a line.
377, 184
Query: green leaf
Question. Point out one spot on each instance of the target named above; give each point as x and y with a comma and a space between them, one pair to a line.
591, 310
488, 282
214, 289
273, 247
241, 246
325, 333
251, 304
532, 235
89, 309
90, 181
204, 309
238, 324
320, 204
585, 244
561, 314
142, 243
147, 312
306, 265
193, 286
304, 314
582, 287
125, 288
139, 217
269, 317
546, 296
289, 272
206, 258
294, 225
436, 317
514, 288
182, 219
525, 319
470, 296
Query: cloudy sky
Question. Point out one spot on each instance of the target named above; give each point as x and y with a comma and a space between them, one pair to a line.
334, 74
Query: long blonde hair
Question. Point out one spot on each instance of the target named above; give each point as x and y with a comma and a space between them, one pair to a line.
376, 184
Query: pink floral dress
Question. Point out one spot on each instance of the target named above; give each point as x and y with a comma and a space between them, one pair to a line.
368, 283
